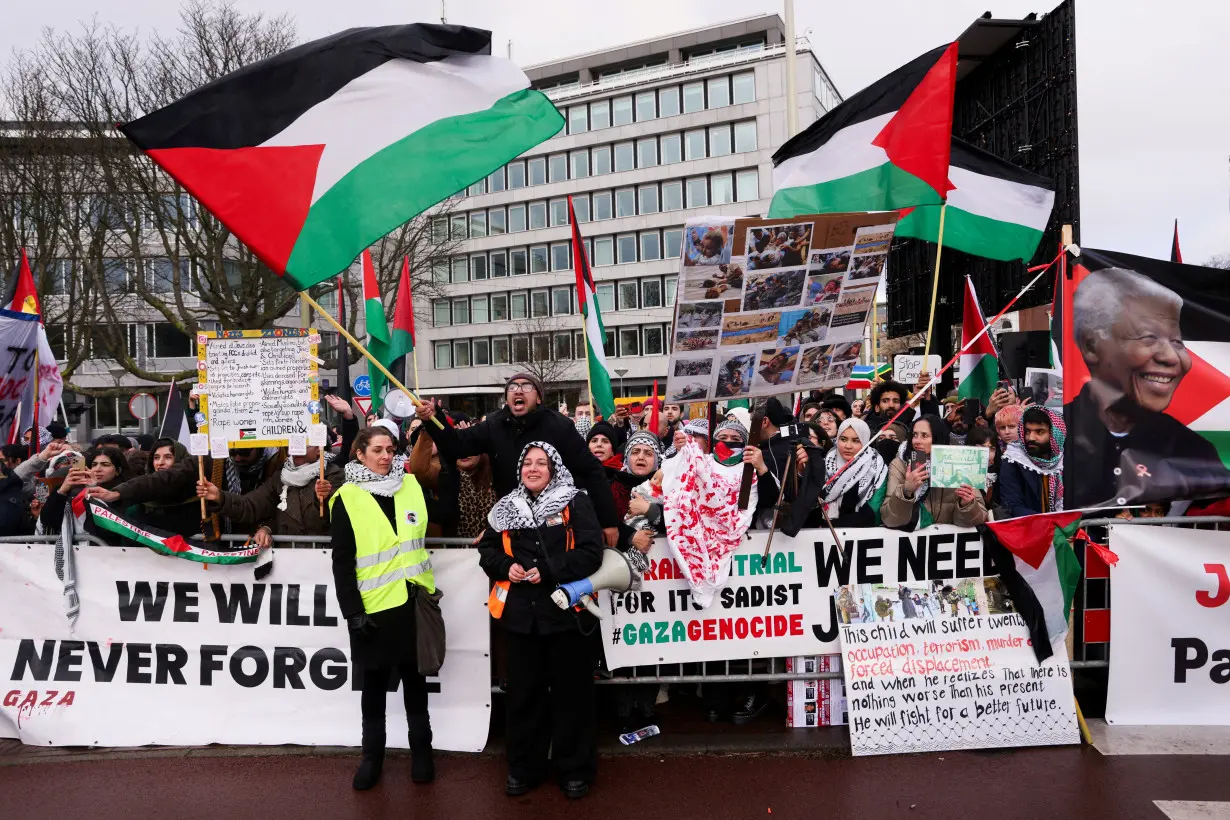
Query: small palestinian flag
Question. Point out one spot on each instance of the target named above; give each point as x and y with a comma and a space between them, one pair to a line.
884, 149
995, 209
1040, 570
313, 154
979, 368
598, 371
21, 296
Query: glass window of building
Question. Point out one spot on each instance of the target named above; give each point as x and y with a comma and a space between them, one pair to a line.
538, 259
559, 167
629, 341
520, 305
439, 272
647, 152
561, 301
482, 352
621, 110
668, 101
600, 115
461, 269
647, 199
442, 313
495, 182
603, 206
499, 351
672, 243
625, 202
651, 293
719, 92
477, 188
580, 206
672, 196
521, 348
608, 344
439, 230
517, 262
478, 224
653, 340
444, 355
625, 158
722, 189
499, 307
580, 163
559, 212
461, 354
516, 174
625, 249
602, 159
540, 304
478, 266
604, 251
496, 222
499, 264
698, 192
745, 137
542, 347
694, 144
671, 285
478, 310
578, 119
559, 257
693, 97
516, 218
538, 215
646, 106
745, 87
461, 311
651, 248
538, 170
458, 226
605, 291
672, 149
747, 186
627, 295
563, 346
719, 140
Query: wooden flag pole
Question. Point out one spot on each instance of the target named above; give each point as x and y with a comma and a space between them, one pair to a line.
322, 478
359, 346
935, 286
200, 474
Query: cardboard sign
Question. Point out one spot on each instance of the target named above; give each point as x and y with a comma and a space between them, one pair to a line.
907, 367
198, 444
317, 435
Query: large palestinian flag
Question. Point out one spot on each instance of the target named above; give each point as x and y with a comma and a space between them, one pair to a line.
885, 148
313, 154
995, 209
1146, 358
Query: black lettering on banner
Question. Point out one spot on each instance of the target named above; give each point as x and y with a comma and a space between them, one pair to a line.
330, 677
968, 563
37, 663
1183, 662
169, 662
247, 605
185, 597
934, 573
830, 633
139, 660
275, 604
320, 607
69, 657
828, 559
912, 552
293, 618
141, 598
210, 662
288, 662
104, 671
262, 666
867, 561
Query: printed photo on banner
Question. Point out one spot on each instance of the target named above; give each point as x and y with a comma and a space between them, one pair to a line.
690, 379
813, 364
707, 245
781, 289
698, 316
1047, 386
867, 268
689, 340
850, 314
778, 246
735, 375
804, 326
777, 367
719, 281
835, 260
919, 600
873, 240
750, 328
823, 289
1146, 369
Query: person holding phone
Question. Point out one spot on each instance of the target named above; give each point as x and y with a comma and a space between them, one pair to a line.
911, 502
103, 467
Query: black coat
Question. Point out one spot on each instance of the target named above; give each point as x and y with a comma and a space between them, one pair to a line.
503, 436
529, 608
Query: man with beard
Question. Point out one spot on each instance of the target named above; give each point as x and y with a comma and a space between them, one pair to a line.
1125, 448
886, 399
1031, 475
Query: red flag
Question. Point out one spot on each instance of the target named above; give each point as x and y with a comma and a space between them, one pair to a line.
403, 316
21, 295
1175, 254
653, 414
918, 138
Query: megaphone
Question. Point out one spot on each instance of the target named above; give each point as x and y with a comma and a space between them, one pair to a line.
616, 573
397, 406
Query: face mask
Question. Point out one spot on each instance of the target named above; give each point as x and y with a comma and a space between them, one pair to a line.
727, 455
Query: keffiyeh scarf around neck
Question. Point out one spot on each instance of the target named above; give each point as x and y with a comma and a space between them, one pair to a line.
1051, 466
519, 510
300, 476
866, 472
374, 483
234, 474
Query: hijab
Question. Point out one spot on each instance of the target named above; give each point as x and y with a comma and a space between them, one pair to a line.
519, 510
866, 471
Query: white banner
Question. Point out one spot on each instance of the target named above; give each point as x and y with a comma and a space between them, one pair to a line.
19, 342
1170, 662
171, 652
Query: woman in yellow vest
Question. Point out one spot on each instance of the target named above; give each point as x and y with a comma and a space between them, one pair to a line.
379, 520
542, 534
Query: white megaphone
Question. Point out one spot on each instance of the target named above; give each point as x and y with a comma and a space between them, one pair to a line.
616, 573
397, 406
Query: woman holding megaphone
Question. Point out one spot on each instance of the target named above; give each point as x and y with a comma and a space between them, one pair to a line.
542, 534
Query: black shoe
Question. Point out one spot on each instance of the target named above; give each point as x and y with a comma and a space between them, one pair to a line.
714, 716
517, 786
422, 764
749, 709
368, 774
575, 789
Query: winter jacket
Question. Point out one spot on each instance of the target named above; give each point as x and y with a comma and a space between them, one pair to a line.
1020, 490
503, 436
899, 511
302, 514
529, 608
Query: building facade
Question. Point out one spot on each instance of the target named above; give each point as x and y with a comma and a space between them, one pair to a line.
657, 132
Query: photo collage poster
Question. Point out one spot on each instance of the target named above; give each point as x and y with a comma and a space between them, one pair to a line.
772, 306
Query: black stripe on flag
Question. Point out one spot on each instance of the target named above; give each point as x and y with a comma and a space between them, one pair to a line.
884, 96
980, 162
261, 99
1024, 601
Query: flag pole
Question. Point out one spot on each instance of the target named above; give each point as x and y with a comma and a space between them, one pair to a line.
935, 286
359, 346
34, 415
414, 356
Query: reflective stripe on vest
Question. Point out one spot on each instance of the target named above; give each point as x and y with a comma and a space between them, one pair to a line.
499, 590
385, 559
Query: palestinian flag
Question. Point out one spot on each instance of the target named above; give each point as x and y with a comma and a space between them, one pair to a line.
174, 419
1176, 255
601, 396
313, 154
1057, 316
400, 342
1165, 370
995, 209
884, 149
979, 368
377, 326
20, 296
1040, 571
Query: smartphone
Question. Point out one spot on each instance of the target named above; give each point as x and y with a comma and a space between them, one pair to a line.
79, 462
1006, 384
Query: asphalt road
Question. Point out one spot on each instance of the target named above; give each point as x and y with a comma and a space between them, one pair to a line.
1030, 783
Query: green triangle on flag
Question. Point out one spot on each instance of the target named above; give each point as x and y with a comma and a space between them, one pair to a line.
979, 369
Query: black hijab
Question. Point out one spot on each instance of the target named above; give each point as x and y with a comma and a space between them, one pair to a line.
940, 434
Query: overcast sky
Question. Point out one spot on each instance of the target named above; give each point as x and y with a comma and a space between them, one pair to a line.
1153, 77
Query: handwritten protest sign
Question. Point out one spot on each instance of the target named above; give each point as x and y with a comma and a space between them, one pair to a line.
953, 466
260, 387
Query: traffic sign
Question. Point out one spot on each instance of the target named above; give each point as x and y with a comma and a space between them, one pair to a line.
362, 386
364, 404
143, 406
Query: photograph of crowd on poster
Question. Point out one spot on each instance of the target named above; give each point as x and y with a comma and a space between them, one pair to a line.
766, 300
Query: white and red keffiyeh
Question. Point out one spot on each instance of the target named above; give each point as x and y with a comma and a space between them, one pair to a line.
704, 525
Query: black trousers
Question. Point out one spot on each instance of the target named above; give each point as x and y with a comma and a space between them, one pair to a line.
376, 689
551, 706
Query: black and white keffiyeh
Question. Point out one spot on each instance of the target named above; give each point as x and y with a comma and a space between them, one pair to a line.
647, 439
866, 472
521, 511
374, 483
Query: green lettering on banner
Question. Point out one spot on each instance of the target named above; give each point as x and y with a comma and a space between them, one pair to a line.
679, 632
630, 634
646, 633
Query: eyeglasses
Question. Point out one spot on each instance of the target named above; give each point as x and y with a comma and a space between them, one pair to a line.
520, 387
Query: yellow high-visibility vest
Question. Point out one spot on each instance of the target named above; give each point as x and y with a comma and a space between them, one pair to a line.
385, 559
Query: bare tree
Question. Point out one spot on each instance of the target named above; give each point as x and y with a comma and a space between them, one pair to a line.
536, 350
1221, 260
